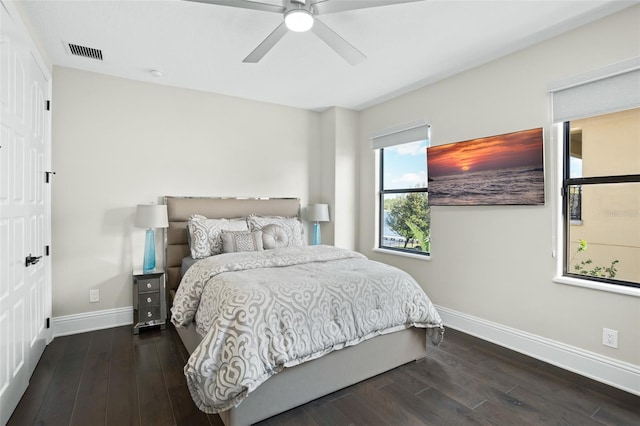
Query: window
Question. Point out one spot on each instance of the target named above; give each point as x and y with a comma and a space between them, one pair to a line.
600, 172
602, 226
404, 215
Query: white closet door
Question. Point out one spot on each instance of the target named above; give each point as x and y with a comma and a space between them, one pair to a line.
25, 300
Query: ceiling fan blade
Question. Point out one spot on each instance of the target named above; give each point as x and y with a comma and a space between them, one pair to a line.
325, 6
337, 43
244, 4
267, 44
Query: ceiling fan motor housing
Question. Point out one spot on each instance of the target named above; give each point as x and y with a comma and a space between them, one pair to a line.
290, 5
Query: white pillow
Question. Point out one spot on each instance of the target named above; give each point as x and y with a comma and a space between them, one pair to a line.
206, 234
235, 241
291, 225
274, 236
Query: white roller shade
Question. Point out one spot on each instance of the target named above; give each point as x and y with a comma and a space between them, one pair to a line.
610, 89
418, 131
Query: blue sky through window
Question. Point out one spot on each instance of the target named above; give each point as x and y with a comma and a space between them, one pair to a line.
405, 166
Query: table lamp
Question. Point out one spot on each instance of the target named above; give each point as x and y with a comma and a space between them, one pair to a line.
151, 216
317, 213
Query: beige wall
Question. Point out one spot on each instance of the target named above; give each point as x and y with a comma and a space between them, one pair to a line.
118, 143
345, 190
495, 262
338, 176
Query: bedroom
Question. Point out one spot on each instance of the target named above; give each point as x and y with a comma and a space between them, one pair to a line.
102, 142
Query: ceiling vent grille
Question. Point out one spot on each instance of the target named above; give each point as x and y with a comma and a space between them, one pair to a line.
86, 52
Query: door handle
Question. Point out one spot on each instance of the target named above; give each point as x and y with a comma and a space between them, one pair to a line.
31, 260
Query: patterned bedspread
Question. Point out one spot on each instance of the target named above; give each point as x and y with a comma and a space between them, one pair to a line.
262, 311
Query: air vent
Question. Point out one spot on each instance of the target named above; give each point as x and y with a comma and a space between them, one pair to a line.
86, 52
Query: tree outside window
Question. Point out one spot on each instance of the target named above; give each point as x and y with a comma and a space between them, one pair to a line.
404, 203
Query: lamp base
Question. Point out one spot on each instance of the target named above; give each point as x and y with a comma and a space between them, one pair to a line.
316, 234
149, 263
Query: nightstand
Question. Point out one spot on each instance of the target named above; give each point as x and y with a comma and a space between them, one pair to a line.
149, 300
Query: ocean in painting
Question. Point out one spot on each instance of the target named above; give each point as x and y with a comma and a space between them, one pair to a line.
520, 185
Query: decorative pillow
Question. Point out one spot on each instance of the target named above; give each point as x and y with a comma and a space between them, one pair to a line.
206, 234
291, 225
234, 241
274, 236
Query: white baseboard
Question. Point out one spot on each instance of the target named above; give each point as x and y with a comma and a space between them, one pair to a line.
598, 367
90, 321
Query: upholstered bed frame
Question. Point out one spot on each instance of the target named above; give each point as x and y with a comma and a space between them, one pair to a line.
303, 383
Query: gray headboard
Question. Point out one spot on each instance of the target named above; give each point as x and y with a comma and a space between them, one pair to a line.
179, 210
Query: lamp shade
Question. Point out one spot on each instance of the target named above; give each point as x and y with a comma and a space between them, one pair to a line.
318, 213
151, 216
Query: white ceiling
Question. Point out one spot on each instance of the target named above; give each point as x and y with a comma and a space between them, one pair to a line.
201, 46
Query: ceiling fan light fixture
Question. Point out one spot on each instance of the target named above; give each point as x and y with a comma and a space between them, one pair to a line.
298, 20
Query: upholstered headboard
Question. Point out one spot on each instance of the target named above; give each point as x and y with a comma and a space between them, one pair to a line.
179, 210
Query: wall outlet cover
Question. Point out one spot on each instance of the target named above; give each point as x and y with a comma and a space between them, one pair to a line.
610, 337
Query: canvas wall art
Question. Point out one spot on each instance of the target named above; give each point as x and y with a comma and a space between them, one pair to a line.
505, 169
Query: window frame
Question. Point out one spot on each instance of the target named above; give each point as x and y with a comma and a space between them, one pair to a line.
594, 92
568, 277
381, 194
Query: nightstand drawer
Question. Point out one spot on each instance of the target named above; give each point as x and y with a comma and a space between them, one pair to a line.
149, 299
149, 314
148, 284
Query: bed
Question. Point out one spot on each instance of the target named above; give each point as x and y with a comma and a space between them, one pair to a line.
291, 380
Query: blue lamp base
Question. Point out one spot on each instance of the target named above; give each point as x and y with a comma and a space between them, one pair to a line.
316, 234
149, 263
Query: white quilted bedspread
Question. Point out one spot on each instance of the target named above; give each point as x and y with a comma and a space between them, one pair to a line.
262, 311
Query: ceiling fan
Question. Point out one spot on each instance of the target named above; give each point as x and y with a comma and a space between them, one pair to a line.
302, 15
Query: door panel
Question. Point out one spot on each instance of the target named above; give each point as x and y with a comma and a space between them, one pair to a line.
25, 301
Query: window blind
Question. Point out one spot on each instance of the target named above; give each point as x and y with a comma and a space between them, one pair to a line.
610, 89
413, 132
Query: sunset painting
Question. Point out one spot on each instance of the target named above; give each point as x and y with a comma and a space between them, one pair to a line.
503, 169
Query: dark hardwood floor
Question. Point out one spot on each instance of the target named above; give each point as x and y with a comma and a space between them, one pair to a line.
112, 377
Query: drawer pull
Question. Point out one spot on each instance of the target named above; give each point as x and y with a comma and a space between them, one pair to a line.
148, 285
148, 300
149, 314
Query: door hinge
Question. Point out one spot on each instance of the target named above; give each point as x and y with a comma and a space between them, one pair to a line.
48, 322
47, 176
48, 106
46, 250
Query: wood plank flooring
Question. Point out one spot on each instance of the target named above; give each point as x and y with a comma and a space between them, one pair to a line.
111, 377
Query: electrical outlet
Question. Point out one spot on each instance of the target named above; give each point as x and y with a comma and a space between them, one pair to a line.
94, 295
610, 337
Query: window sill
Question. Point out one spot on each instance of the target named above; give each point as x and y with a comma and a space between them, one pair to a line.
402, 253
609, 288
